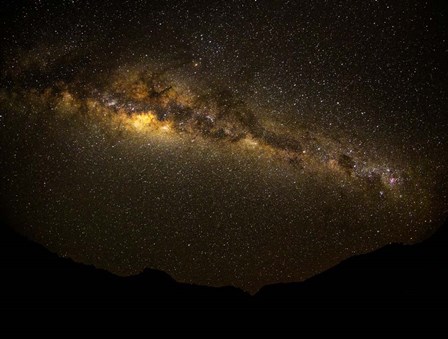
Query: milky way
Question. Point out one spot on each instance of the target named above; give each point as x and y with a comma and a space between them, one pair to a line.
223, 143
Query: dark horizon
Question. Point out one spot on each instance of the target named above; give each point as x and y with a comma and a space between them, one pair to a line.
393, 277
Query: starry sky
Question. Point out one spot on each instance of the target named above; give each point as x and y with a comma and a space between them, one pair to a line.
224, 142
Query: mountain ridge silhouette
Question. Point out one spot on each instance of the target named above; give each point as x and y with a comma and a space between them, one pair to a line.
393, 276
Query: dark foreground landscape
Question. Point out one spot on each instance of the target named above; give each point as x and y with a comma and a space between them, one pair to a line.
398, 276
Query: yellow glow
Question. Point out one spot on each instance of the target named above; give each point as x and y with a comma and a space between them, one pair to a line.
140, 121
165, 128
137, 122
250, 142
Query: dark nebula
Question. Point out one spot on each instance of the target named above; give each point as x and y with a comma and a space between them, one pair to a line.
223, 142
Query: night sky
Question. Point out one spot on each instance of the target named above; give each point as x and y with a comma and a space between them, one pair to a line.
224, 142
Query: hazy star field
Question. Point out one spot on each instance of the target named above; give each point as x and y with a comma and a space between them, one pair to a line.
224, 142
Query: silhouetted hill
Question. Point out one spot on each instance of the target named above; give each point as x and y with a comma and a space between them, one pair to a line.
393, 276
396, 275
32, 276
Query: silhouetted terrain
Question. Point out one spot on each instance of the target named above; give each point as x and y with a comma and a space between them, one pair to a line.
396, 276
32, 276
